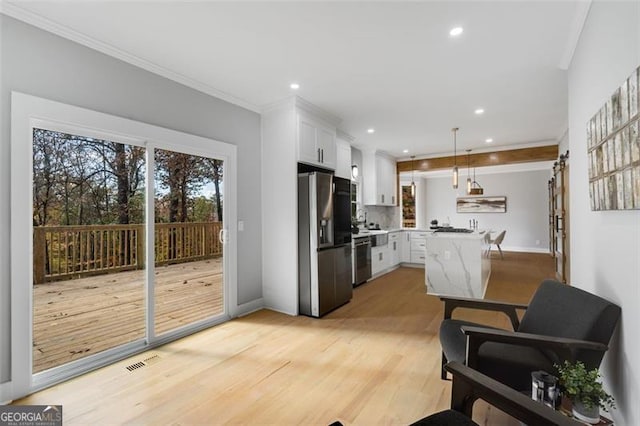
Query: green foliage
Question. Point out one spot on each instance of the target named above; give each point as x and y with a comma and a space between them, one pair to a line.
580, 384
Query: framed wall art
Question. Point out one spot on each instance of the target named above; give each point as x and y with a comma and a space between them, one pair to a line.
481, 204
613, 149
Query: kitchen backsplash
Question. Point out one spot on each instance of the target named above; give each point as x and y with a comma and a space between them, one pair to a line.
386, 217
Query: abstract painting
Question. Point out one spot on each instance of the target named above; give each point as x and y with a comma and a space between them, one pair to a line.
613, 149
481, 204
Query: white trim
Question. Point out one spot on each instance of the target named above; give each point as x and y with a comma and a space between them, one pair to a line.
28, 111
295, 101
521, 249
250, 307
15, 11
5, 393
149, 261
345, 136
577, 25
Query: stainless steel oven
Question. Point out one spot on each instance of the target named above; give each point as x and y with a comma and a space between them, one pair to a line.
361, 260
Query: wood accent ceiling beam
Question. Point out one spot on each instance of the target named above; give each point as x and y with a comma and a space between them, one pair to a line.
496, 158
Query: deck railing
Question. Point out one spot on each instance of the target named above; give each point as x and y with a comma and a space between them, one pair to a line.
65, 252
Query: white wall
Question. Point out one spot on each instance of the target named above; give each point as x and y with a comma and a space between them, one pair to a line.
41, 64
526, 219
605, 246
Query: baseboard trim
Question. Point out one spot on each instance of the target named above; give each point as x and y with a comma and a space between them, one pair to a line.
250, 307
412, 265
5, 393
280, 311
522, 249
384, 272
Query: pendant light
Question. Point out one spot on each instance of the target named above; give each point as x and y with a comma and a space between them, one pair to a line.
413, 183
468, 175
475, 188
455, 165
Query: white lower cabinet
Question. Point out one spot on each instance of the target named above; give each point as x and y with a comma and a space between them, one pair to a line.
379, 259
405, 255
395, 248
418, 247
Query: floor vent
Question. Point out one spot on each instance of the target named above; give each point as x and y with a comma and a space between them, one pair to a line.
147, 361
152, 359
136, 365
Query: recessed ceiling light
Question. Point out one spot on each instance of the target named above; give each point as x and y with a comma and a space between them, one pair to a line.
294, 86
405, 150
372, 130
479, 111
455, 31
489, 140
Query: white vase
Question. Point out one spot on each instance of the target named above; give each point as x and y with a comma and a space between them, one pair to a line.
588, 415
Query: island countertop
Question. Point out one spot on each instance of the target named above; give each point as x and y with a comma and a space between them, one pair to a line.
477, 234
458, 263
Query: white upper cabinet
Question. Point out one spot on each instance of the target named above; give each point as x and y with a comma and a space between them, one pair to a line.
292, 131
380, 179
343, 155
316, 142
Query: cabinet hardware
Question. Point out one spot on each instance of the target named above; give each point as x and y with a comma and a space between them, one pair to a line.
319, 160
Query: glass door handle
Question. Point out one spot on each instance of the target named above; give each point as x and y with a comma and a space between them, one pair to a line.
222, 236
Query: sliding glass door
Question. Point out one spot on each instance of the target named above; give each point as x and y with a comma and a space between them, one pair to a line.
88, 246
188, 236
122, 238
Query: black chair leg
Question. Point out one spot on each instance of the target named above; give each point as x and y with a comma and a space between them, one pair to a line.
500, 250
443, 372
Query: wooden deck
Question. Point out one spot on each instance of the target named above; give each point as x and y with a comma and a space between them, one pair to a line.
76, 318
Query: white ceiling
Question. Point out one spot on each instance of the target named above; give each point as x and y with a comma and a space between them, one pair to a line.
387, 65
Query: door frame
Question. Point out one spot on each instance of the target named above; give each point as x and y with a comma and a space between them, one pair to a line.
28, 112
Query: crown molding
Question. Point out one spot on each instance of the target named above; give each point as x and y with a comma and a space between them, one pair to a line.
16, 12
345, 136
577, 25
295, 101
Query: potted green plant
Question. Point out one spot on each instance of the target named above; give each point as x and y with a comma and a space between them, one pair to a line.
584, 389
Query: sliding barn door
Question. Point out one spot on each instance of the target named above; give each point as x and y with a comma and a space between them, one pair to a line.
560, 232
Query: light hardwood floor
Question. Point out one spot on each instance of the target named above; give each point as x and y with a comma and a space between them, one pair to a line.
373, 361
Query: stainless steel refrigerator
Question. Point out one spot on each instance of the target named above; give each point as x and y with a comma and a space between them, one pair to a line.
324, 243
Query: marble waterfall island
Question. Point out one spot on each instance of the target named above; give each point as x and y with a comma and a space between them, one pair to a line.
458, 264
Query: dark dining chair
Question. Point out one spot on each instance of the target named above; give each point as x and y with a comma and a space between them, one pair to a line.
560, 323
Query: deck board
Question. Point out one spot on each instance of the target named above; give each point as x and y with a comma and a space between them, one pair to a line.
76, 318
